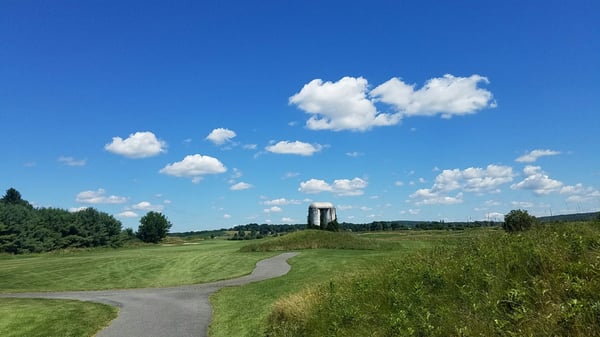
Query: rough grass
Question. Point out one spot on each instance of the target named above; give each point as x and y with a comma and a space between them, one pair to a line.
314, 239
148, 266
543, 282
242, 311
52, 318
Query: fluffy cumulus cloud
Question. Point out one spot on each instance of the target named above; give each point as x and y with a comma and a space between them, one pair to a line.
537, 181
128, 214
340, 187
147, 206
273, 209
98, 197
349, 105
240, 186
297, 147
427, 196
194, 166
220, 136
447, 95
137, 145
473, 179
341, 105
535, 154
580, 193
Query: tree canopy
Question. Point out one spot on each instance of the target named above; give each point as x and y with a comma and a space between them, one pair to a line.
154, 227
25, 229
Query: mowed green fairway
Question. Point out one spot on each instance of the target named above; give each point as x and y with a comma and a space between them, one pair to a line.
155, 266
45, 318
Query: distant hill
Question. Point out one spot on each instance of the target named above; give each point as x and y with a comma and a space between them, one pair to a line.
570, 217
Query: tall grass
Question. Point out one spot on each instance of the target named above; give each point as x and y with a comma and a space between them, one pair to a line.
543, 282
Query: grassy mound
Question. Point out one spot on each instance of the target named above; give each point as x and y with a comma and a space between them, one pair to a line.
314, 239
543, 282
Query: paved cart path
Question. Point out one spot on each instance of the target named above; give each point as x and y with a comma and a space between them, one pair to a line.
182, 311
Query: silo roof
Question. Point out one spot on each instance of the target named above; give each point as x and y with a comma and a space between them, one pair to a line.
321, 205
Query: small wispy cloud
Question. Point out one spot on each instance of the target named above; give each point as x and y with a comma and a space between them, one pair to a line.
70, 161
535, 155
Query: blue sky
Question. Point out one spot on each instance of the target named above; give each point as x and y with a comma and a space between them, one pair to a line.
220, 113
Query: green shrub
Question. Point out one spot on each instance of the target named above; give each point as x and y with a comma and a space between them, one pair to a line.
518, 220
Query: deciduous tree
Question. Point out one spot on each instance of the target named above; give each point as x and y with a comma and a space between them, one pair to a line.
154, 227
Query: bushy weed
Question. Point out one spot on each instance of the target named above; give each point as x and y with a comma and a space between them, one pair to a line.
543, 282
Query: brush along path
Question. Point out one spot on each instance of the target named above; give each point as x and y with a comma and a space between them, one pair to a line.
176, 311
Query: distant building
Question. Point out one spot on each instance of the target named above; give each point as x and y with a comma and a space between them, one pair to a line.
320, 214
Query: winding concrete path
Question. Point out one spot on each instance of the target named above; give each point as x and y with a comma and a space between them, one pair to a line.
183, 311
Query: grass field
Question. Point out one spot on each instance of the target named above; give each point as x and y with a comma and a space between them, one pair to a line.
45, 318
158, 266
429, 276
149, 266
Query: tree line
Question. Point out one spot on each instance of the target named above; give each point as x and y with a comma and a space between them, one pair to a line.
26, 229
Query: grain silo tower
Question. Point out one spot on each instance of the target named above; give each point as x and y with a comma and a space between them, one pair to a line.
320, 214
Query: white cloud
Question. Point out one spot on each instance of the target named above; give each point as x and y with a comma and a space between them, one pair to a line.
354, 154
341, 105
522, 204
494, 216
447, 95
194, 166
282, 202
344, 207
240, 186
297, 147
287, 220
226, 216
399, 183
235, 175
250, 147
579, 193
220, 136
426, 196
147, 206
77, 209
472, 179
137, 145
128, 214
340, 187
273, 209
537, 181
535, 154
99, 197
70, 161
348, 105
